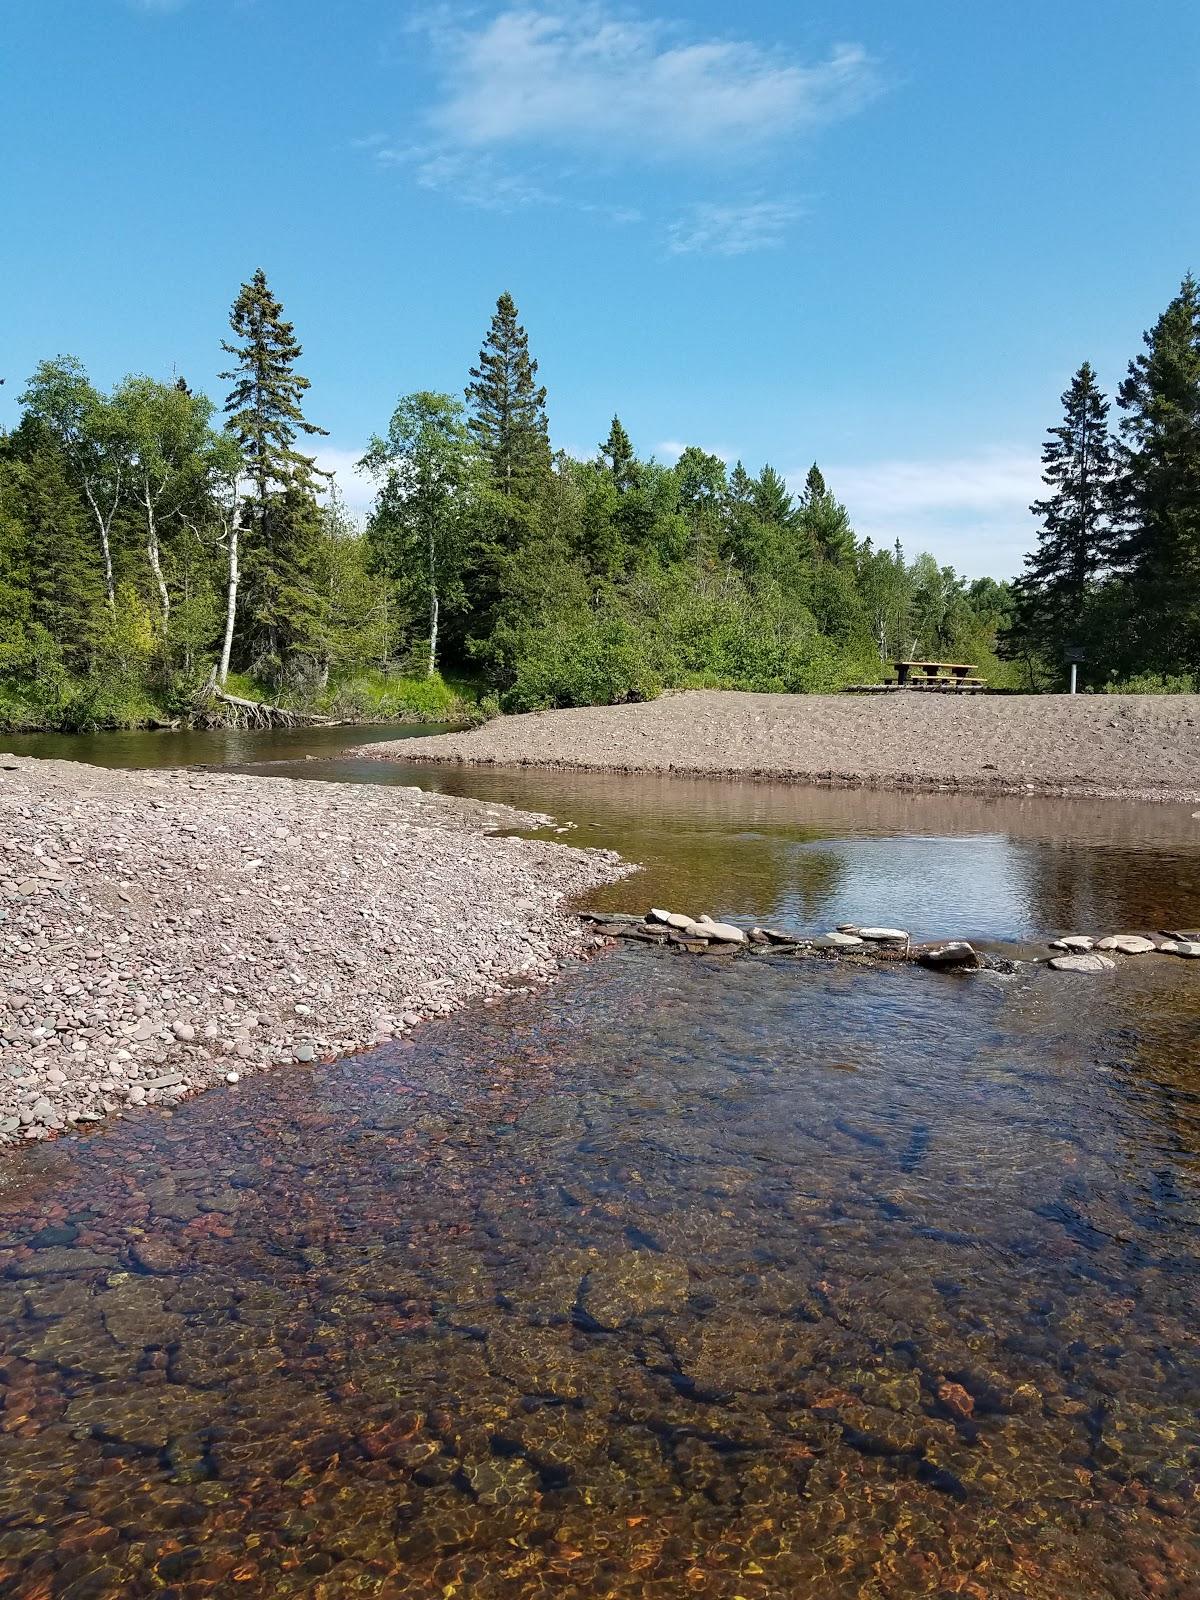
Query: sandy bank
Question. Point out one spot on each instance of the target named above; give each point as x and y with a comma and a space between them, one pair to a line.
160, 930
1136, 746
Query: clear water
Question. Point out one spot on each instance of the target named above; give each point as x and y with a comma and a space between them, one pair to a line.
686, 1277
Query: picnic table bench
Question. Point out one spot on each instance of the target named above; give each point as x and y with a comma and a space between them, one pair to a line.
937, 677
936, 674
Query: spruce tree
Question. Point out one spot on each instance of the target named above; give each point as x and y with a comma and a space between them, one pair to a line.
1160, 487
283, 528
617, 454
62, 572
1075, 537
825, 520
508, 409
773, 502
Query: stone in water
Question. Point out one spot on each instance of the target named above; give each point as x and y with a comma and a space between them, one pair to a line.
1087, 962
1129, 944
883, 935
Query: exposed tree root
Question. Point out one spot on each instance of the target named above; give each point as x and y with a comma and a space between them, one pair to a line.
235, 711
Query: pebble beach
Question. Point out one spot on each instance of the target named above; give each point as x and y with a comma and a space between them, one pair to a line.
1127, 746
161, 932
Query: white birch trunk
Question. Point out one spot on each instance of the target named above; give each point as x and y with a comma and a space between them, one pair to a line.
433, 610
152, 553
104, 523
232, 591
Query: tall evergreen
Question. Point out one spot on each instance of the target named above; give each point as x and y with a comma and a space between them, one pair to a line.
281, 534
617, 454
1075, 535
773, 502
60, 566
825, 520
1160, 488
508, 408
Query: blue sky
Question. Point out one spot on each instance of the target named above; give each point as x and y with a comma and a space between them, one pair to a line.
878, 235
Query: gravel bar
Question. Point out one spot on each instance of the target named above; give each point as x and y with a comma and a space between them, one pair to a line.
1105, 746
163, 932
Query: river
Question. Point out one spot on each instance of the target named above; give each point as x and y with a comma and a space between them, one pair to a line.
682, 1278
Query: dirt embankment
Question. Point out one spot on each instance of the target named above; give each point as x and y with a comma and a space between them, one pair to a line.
1135, 746
160, 931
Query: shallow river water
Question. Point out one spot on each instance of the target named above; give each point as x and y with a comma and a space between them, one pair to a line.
684, 1277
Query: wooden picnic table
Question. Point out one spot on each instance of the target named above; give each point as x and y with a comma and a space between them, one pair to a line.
928, 671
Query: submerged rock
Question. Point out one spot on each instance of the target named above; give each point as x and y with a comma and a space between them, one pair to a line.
619, 1288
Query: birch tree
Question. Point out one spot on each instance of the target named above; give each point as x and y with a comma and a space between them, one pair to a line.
90, 433
430, 476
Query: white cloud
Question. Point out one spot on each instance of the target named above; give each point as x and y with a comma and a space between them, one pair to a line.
577, 73
540, 102
709, 228
971, 512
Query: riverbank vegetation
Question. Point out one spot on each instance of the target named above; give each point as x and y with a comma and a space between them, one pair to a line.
160, 560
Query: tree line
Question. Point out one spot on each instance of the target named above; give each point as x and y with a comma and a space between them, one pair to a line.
1114, 579
155, 548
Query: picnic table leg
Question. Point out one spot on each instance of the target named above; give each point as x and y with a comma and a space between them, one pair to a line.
901, 673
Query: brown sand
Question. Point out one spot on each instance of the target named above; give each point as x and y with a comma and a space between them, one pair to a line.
1134, 746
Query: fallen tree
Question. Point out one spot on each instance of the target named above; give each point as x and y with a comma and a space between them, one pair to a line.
216, 707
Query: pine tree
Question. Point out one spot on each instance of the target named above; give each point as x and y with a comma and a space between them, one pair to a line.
281, 535
773, 502
1160, 487
508, 409
825, 520
617, 454
1075, 538
62, 573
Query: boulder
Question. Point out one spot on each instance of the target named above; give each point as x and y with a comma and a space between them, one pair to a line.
956, 953
1085, 962
1129, 944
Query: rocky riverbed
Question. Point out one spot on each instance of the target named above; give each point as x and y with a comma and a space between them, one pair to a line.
163, 932
1133, 746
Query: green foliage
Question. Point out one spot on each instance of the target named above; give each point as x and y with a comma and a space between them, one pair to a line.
1156, 683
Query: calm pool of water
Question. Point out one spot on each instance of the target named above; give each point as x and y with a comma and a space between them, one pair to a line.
686, 1277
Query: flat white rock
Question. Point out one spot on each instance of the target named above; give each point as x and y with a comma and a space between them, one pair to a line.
670, 919
1181, 947
720, 932
1129, 944
882, 935
1087, 962
839, 941
1074, 941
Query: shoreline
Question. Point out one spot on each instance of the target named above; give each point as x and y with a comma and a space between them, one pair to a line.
1107, 747
162, 930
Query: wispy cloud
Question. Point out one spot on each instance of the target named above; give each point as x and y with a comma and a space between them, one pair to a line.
969, 511
710, 228
584, 75
539, 103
